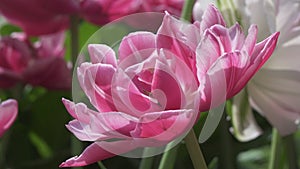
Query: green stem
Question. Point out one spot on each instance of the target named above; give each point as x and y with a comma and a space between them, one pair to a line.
76, 145
146, 163
291, 151
274, 161
101, 165
3, 147
195, 151
74, 29
169, 158
187, 10
227, 156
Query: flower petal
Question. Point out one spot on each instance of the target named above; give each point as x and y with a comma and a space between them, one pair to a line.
8, 114
100, 53
52, 73
95, 80
99, 151
211, 16
165, 126
136, 47
275, 94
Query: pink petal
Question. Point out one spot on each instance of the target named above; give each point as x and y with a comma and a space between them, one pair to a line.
262, 52
8, 114
100, 53
39, 17
95, 80
165, 126
179, 38
250, 40
51, 45
264, 49
84, 132
165, 88
128, 98
207, 53
79, 111
99, 151
114, 124
136, 47
92, 126
229, 39
51, 73
211, 16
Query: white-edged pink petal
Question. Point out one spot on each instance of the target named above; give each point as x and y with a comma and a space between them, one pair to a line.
100, 53
95, 80
99, 151
137, 46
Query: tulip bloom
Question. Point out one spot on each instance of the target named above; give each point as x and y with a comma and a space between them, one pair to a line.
39, 64
38, 17
274, 91
213, 52
8, 114
153, 93
101, 12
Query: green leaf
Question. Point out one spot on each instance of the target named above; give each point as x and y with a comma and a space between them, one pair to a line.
41, 145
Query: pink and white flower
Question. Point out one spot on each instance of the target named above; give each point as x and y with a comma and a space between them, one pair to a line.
153, 92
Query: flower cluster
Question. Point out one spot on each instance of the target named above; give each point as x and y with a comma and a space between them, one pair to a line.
37, 17
39, 64
154, 91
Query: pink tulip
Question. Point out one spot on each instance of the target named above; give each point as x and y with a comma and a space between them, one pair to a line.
39, 64
8, 114
144, 99
103, 11
151, 94
37, 17
174, 7
219, 57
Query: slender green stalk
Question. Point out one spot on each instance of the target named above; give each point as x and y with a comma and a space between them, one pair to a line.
169, 158
3, 147
227, 157
74, 38
194, 150
101, 165
187, 10
76, 145
146, 163
290, 148
274, 161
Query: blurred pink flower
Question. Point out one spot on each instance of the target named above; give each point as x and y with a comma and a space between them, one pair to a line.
101, 12
37, 17
8, 114
39, 64
173, 7
151, 94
